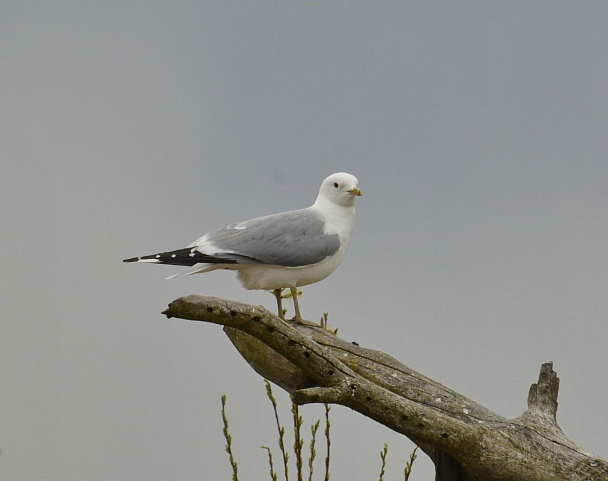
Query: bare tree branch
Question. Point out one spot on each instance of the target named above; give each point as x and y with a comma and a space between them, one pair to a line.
315, 366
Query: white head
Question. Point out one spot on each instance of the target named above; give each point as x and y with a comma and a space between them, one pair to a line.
340, 189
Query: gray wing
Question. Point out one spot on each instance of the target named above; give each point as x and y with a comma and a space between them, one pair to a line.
290, 239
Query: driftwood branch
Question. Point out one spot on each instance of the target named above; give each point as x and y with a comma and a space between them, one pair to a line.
463, 438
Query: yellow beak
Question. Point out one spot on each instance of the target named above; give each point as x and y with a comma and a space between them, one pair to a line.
355, 191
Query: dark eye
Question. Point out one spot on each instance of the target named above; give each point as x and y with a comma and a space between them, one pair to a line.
336, 185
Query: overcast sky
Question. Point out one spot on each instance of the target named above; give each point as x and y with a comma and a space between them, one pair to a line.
479, 135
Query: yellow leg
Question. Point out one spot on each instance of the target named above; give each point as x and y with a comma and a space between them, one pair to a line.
277, 294
294, 295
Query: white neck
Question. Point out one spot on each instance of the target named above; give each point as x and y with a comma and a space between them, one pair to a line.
340, 218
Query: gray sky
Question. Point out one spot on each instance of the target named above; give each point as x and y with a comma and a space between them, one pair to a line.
478, 132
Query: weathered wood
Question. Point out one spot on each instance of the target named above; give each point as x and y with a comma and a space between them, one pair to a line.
461, 436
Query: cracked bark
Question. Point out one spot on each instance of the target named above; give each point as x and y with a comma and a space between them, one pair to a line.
465, 440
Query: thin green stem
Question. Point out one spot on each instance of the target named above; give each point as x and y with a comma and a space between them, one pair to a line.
273, 474
328, 439
408, 466
383, 457
280, 428
298, 441
313, 452
228, 437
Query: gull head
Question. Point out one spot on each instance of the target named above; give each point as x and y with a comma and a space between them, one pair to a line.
340, 189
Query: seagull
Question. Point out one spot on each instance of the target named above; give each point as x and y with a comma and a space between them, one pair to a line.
280, 251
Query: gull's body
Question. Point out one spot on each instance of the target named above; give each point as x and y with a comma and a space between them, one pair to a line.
287, 250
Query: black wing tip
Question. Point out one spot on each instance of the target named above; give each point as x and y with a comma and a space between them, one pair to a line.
187, 257
181, 257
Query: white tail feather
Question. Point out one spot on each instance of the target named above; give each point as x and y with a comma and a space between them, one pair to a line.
193, 270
